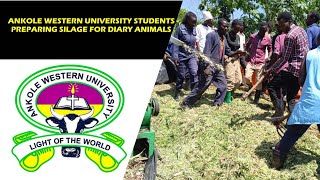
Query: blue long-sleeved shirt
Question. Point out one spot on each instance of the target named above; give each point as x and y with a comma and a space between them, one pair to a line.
212, 47
313, 31
187, 36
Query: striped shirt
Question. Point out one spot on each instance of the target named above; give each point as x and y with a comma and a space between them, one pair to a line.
295, 48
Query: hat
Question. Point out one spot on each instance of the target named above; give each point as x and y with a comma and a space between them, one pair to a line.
207, 15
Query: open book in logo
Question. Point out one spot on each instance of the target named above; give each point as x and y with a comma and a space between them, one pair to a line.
72, 102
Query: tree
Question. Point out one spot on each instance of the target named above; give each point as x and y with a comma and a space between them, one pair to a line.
180, 17
251, 15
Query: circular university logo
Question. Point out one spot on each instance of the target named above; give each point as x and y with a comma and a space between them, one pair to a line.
69, 91
69, 101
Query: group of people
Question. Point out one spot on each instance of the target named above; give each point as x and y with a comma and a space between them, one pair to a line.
287, 61
224, 47
212, 43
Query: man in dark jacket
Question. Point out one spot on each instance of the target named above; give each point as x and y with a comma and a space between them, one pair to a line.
232, 65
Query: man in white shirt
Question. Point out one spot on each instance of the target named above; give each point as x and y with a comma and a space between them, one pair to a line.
242, 36
203, 29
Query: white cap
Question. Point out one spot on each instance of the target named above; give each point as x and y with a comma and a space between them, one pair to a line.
206, 15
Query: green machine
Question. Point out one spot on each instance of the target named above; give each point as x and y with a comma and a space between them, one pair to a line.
145, 140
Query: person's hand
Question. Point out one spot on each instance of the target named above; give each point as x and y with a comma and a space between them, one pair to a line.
176, 61
227, 59
165, 56
269, 72
267, 60
241, 53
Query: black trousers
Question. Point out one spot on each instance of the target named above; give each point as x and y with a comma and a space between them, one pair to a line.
291, 136
283, 82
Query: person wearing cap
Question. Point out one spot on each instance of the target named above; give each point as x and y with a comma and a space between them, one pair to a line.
203, 29
313, 29
258, 43
232, 64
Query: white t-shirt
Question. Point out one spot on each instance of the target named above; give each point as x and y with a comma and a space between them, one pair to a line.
267, 53
242, 40
202, 32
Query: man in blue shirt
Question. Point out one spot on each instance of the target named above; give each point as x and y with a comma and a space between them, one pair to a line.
313, 29
186, 61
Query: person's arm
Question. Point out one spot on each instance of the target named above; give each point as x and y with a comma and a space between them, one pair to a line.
249, 43
269, 48
309, 34
303, 71
276, 52
230, 53
212, 47
208, 45
175, 48
286, 54
237, 41
277, 45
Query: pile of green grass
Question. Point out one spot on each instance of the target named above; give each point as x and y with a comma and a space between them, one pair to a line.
228, 142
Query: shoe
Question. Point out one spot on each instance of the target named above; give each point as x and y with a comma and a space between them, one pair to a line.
279, 110
274, 117
227, 98
216, 103
264, 95
277, 161
187, 85
257, 97
184, 106
177, 95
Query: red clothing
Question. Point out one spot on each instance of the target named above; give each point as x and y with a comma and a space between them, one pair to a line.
278, 48
258, 48
221, 47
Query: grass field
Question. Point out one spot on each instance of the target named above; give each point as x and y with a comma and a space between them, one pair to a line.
228, 142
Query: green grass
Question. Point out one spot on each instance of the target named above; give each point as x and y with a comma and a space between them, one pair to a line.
228, 142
